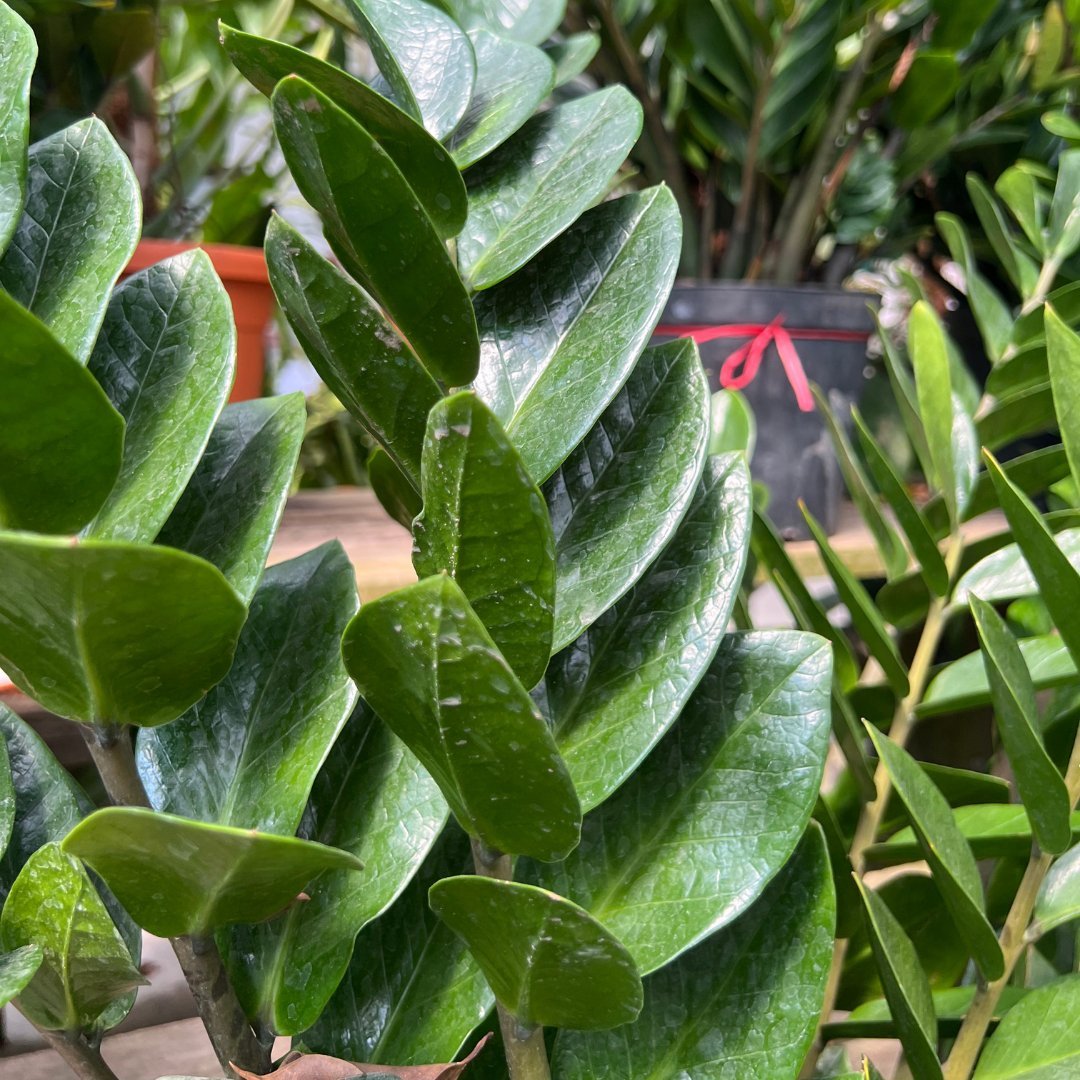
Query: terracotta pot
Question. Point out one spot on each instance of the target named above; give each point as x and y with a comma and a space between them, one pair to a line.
243, 273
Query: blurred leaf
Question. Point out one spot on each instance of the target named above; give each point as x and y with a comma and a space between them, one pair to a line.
18, 47
1063, 226
1059, 896
572, 55
531, 21
1019, 266
1005, 575
1019, 191
1063, 356
928, 88
731, 424
392, 488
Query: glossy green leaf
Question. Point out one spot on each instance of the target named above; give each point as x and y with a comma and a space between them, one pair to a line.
1018, 264
705, 1014
1063, 224
619, 497
370, 215
85, 964
531, 21
512, 79
551, 358
247, 754
863, 612
1059, 896
427, 995
548, 961
229, 513
731, 424
528, 191
392, 488
113, 633
1063, 354
1038, 1039
424, 662
78, 230
176, 876
699, 799
572, 55
1041, 787
61, 440
423, 162
373, 799
905, 985
1019, 190
873, 1019
617, 689
17, 968
1005, 575
485, 524
165, 357
946, 851
423, 55
18, 53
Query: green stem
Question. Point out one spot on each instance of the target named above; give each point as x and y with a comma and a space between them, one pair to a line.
84, 1060
110, 747
1043, 284
526, 1052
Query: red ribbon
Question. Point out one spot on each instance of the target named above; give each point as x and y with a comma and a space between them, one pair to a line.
749, 356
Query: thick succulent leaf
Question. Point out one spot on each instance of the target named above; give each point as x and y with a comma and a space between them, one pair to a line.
905, 985
704, 1015
615, 691
1042, 789
61, 441
619, 497
371, 217
17, 968
512, 79
85, 963
371, 798
247, 754
355, 350
946, 851
176, 876
392, 488
165, 357
551, 357
424, 662
701, 797
1005, 575
1063, 355
425, 997
531, 21
232, 505
529, 190
1038, 1039
572, 55
547, 961
77, 232
424, 56
18, 53
1059, 897
113, 633
486, 525
424, 163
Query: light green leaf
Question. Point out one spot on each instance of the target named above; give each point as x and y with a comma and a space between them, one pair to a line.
704, 1015
531, 21
1019, 191
61, 441
615, 691
229, 513
1020, 267
1005, 575
1063, 225
1041, 787
111, 633
1027, 412
1063, 357
18, 53
17, 968
528, 191
85, 964
548, 961
485, 524
372, 220
165, 356
873, 1019
176, 876
946, 851
78, 230
247, 754
731, 424
1059, 897
619, 497
423, 55
548, 329
392, 488
933, 384
699, 799
454, 701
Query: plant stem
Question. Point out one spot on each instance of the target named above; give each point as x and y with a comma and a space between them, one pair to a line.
110, 747
526, 1052
84, 1060
969, 1041
1043, 284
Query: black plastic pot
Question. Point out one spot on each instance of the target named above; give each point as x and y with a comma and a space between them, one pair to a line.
794, 456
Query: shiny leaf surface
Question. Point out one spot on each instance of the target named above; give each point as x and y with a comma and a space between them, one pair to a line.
572, 55
1005, 575
392, 488
1059, 896
1063, 355
532, 21
17, 968
18, 53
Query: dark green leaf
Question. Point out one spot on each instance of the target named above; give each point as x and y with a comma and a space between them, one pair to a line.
78, 230
1025, 413
572, 55
1005, 575
548, 961
699, 799
165, 356
112, 633
176, 876
18, 53
549, 328
230, 511
424, 662
1063, 355
531, 21
392, 488
61, 441
17, 968
485, 524
763, 974
1059, 897
528, 191
372, 219
614, 692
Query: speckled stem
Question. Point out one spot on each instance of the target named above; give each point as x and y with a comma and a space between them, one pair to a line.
84, 1060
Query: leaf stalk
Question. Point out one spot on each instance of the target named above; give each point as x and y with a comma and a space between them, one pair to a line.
83, 1059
